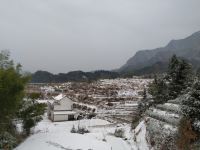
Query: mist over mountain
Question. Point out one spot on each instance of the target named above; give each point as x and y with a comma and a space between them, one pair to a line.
156, 60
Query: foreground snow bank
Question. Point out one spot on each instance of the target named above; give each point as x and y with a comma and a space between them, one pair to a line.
62, 140
57, 136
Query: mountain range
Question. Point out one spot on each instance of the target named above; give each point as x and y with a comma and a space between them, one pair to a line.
156, 60
75, 76
142, 63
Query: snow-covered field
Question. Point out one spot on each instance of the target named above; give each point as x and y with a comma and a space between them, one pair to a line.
57, 136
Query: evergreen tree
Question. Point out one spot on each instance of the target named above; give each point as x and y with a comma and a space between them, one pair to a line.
143, 104
180, 77
142, 107
145, 95
198, 73
158, 89
12, 85
5, 61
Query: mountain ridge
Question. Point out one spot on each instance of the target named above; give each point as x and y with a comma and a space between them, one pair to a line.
74, 76
187, 48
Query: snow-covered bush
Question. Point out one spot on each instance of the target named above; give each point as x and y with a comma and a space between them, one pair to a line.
191, 104
168, 118
175, 101
7, 141
161, 135
173, 108
80, 130
196, 125
73, 130
30, 113
119, 133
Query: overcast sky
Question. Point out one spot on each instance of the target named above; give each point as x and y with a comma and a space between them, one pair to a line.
66, 35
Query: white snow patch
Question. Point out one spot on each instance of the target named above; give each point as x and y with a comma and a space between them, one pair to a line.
59, 97
57, 136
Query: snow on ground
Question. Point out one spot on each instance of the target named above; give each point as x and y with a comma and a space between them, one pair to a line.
174, 105
166, 113
57, 136
126, 93
118, 144
141, 142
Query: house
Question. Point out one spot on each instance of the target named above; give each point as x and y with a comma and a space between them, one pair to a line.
61, 109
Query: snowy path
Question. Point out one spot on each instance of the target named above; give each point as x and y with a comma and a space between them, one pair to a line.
141, 142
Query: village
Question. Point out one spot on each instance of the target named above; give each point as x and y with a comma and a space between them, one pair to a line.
115, 100
97, 114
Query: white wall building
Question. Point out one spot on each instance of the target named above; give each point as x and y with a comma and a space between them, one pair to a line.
60, 109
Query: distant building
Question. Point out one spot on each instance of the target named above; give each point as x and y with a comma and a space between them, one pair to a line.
60, 109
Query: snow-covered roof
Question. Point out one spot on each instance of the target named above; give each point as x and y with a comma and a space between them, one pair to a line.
89, 106
64, 112
59, 97
45, 101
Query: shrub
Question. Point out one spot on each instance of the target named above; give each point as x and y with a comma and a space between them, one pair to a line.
161, 136
119, 133
91, 115
31, 113
80, 130
7, 141
73, 130
135, 121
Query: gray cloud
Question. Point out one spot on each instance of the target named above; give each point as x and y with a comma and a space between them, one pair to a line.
65, 35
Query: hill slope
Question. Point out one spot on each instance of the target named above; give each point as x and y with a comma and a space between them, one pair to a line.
155, 60
47, 77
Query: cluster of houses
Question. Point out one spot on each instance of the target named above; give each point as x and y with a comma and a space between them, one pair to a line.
115, 98
62, 108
